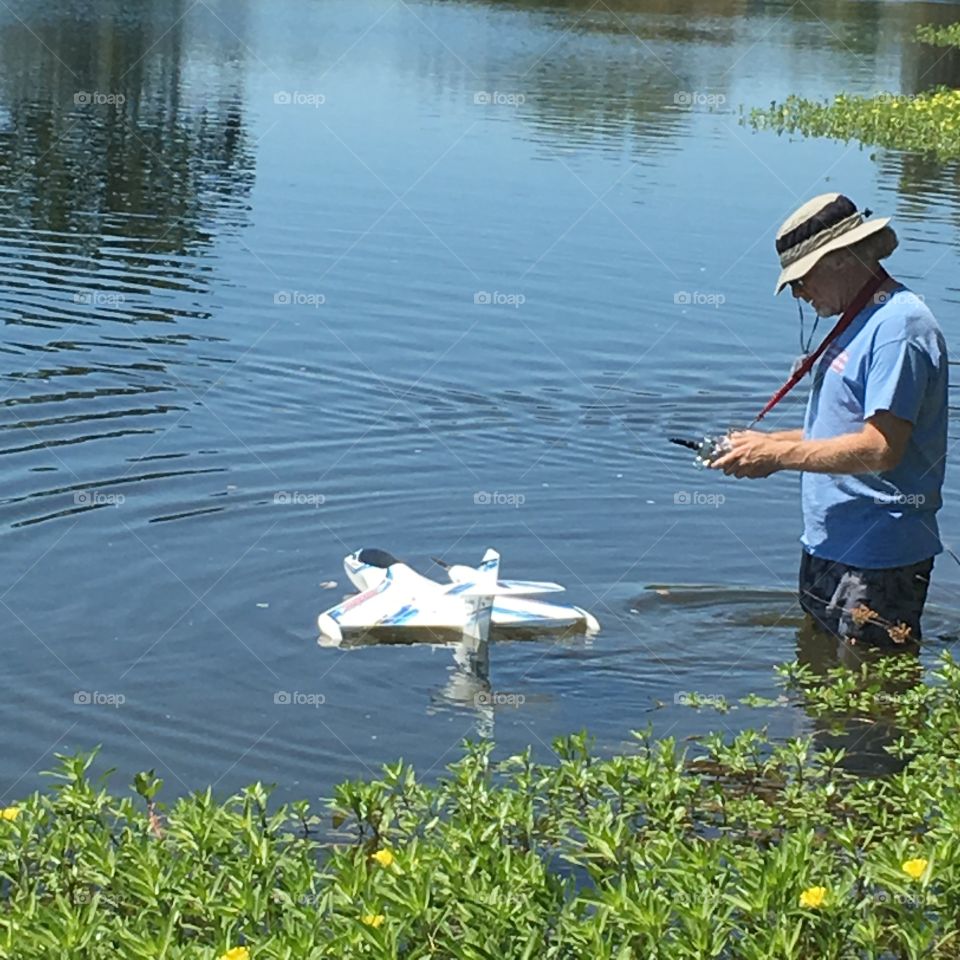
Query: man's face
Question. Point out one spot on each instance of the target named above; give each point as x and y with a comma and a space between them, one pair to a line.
821, 288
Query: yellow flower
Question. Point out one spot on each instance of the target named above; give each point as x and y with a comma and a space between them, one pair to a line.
9, 813
914, 868
384, 858
813, 897
236, 953
373, 919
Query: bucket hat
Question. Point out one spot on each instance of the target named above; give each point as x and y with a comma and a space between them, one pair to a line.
823, 224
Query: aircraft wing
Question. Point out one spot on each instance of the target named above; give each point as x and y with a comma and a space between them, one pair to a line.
392, 595
520, 588
402, 598
461, 573
364, 609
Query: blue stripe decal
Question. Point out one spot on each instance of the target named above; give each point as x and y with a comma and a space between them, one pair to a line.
335, 613
407, 611
525, 615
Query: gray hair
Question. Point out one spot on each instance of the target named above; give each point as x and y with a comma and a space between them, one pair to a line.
869, 251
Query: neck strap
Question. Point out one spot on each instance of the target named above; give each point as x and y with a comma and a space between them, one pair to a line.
856, 305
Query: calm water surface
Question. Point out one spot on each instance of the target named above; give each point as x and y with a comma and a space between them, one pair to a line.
245, 251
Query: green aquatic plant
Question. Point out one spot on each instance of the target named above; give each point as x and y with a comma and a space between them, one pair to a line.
926, 123
736, 847
946, 36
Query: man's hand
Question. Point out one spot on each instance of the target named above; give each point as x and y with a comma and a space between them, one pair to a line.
878, 447
753, 454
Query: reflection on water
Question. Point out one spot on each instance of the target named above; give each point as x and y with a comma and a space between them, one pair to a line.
243, 334
467, 686
118, 168
864, 739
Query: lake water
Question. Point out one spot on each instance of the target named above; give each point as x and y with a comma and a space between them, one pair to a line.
284, 280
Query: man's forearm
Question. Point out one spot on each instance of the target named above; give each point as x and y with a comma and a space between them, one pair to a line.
851, 453
878, 447
787, 434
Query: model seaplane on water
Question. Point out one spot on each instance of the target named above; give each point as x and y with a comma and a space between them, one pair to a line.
394, 596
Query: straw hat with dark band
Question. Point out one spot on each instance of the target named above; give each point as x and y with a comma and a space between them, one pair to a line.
825, 223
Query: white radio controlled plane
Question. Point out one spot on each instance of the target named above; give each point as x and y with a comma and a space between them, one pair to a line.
393, 595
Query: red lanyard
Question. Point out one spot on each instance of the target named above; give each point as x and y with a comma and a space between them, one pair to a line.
859, 302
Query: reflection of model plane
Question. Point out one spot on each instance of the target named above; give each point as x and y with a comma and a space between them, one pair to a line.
395, 596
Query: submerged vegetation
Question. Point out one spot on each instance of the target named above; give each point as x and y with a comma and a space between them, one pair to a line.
926, 123
736, 847
948, 36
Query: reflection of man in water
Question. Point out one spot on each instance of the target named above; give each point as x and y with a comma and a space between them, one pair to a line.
863, 736
873, 444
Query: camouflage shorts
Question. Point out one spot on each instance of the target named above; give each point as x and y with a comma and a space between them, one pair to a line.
879, 607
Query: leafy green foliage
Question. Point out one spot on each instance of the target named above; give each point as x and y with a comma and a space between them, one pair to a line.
742, 847
927, 123
947, 36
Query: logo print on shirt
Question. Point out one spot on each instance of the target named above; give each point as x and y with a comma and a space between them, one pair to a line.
839, 363
836, 358
831, 353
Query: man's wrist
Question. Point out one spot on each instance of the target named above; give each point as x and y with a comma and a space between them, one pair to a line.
792, 454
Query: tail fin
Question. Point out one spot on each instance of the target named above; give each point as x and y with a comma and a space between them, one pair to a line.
479, 597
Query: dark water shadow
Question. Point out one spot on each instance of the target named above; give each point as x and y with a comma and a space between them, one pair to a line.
864, 738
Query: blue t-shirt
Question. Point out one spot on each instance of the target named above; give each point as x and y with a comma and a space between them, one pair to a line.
892, 357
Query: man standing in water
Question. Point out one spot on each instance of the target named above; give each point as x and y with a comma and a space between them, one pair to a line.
873, 445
